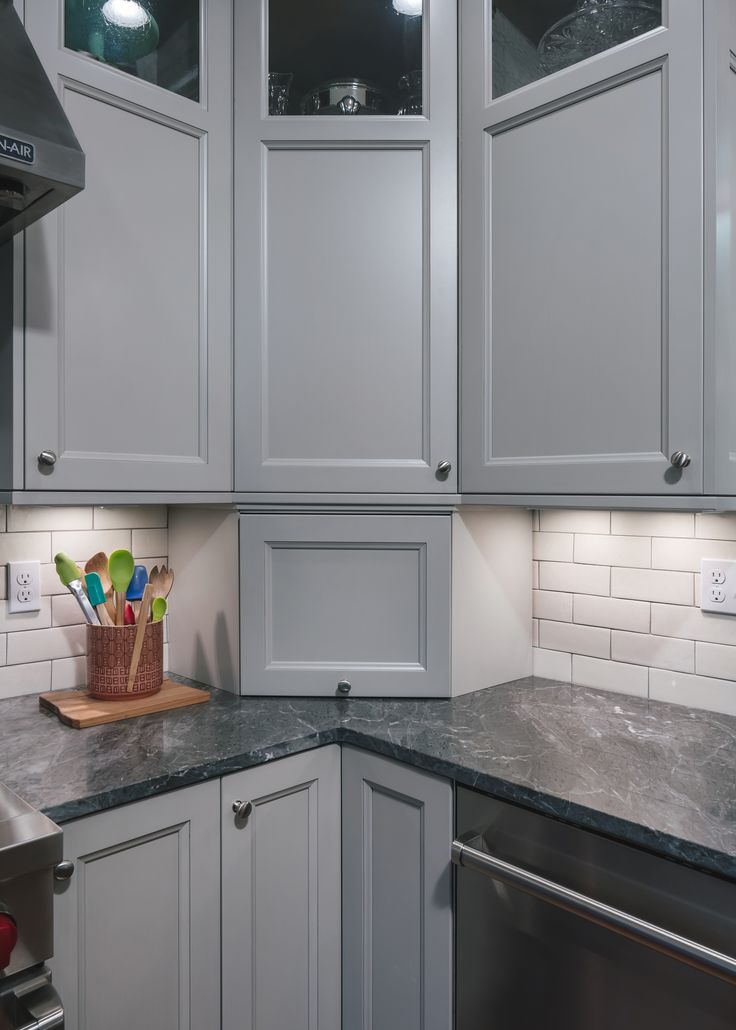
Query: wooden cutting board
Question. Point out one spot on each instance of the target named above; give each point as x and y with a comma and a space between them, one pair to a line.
76, 708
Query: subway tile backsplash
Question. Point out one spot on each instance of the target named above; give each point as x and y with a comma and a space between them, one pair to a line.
617, 605
45, 650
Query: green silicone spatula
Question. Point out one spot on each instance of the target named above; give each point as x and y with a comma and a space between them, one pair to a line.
121, 566
158, 608
71, 576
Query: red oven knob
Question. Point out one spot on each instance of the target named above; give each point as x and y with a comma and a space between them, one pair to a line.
8, 938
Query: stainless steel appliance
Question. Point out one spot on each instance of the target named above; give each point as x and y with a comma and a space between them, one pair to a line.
41, 161
30, 857
561, 928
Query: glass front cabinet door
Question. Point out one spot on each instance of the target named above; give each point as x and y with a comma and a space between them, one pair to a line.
582, 262
345, 246
128, 287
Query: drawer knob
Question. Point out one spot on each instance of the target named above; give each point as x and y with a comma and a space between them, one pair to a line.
242, 810
47, 458
344, 687
444, 467
680, 460
63, 871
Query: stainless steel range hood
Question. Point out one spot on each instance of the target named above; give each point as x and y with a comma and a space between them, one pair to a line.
41, 161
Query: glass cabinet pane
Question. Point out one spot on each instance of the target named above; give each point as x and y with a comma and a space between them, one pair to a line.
155, 40
345, 57
534, 38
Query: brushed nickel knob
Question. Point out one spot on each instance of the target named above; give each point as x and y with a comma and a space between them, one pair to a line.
344, 687
680, 460
63, 870
444, 467
242, 809
47, 458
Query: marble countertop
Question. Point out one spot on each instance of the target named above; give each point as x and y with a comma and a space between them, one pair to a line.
655, 775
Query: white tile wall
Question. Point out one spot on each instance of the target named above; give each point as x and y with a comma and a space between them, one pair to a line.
616, 605
45, 650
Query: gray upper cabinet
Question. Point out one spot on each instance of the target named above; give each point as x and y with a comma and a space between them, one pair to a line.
128, 295
345, 246
137, 928
720, 246
582, 260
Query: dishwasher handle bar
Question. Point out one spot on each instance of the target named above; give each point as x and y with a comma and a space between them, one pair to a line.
656, 937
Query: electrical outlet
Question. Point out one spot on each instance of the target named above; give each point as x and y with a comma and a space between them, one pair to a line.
718, 586
24, 586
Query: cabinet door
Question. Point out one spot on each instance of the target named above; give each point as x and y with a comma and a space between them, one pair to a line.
128, 330
582, 321
137, 928
281, 895
397, 896
362, 600
345, 249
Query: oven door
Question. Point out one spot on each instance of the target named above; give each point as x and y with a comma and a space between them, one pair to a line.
30, 1002
562, 928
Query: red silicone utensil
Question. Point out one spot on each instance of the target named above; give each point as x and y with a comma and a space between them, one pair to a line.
129, 615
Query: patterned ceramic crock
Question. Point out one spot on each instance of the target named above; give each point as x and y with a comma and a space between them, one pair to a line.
109, 650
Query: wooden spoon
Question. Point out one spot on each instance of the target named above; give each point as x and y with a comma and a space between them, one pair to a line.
98, 564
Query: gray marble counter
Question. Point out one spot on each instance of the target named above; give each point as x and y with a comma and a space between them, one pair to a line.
659, 776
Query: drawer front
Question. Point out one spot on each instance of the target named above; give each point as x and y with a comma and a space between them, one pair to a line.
357, 598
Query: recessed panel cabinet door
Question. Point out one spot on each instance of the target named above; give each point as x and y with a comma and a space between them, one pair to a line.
397, 896
581, 311
137, 928
281, 895
128, 330
345, 250
345, 604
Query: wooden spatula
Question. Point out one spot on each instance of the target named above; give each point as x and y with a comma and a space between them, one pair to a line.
162, 580
140, 634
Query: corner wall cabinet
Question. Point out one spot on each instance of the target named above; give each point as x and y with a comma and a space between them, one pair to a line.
127, 312
345, 247
582, 227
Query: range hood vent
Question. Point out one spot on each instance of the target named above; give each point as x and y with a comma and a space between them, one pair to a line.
41, 161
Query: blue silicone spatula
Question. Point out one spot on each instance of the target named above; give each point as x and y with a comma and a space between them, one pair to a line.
136, 587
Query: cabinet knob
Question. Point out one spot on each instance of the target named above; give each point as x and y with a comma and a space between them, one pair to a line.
47, 458
680, 460
444, 467
242, 809
344, 687
63, 871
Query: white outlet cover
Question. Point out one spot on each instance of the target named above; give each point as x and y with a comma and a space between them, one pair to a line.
718, 586
24, 586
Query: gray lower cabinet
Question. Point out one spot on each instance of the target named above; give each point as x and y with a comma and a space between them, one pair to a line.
345, 255
281, 895
345, 604
137, 928
582, 263
128, 344
397, 896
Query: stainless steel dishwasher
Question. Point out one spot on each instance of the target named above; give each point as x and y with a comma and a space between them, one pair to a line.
564, 929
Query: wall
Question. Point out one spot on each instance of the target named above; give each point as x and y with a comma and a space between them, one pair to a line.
616, 604
45, 650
